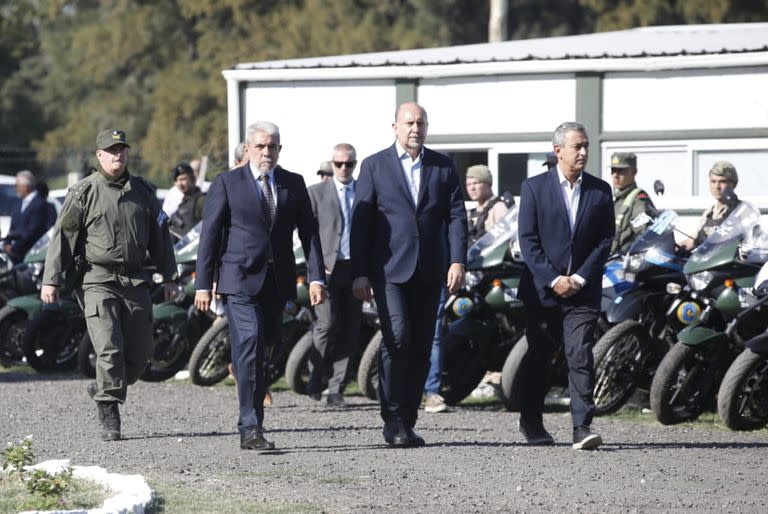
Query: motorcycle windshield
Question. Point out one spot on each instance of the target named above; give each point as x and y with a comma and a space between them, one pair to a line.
504, 231
754, 248
184, 244
738, 223
657, 243
39, 249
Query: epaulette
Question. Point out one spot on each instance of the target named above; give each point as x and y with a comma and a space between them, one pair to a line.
643, 195
80, 188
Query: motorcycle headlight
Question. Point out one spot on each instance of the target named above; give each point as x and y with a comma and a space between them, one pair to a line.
635, 262
473, 278
37, 268
700, 280
462, 306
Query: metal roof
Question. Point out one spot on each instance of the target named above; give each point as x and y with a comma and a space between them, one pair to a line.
663, 41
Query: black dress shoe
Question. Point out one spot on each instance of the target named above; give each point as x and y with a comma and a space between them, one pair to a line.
336, 400
585, 439
415, 439
255, 441
396, 435
535, 434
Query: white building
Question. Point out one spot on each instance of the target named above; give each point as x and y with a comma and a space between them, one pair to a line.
680, 97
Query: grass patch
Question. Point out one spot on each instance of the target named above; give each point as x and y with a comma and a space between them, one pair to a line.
16, 368
82, 494
172, 499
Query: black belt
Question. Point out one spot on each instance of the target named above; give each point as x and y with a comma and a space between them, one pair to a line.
118, 268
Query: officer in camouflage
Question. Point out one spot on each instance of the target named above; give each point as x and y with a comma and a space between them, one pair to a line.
110, 220
629, 201
722, 176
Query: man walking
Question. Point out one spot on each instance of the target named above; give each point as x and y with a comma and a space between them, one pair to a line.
247, 244
338, 319
109, 221
403, 196
565, 226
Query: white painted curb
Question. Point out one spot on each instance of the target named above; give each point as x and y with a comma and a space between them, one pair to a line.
132, 494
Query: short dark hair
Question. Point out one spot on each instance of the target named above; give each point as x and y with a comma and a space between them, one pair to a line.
181, 168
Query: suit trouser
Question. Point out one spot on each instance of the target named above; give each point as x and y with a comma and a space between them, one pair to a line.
407, 315
573, 326
119, 321
254, 322
336, 331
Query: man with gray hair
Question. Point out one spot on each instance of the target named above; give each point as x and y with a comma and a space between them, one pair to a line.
241, 154
29, 218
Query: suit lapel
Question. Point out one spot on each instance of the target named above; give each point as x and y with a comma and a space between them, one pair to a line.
249, 182
586, 190
400, 176
332, 199
557, 198
424, 174
281, 190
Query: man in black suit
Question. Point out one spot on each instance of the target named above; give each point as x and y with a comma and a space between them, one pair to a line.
29, 218
247, 244
565, 225
338, 319
404, 195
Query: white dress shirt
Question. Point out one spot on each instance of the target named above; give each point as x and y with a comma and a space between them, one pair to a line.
411, 170
27, 200
571, 196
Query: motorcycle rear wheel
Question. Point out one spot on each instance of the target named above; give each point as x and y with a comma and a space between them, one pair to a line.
211, 355
13, 324
86, 356
51, 340
683, 386
368, 370
297, 366
742, 401
619, 356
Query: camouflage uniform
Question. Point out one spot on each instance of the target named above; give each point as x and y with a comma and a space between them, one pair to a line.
710, 219
627, 204
110, 224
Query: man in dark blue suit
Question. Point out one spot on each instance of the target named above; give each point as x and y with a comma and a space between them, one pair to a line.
246, 252
565, 225
29, 218
404, 195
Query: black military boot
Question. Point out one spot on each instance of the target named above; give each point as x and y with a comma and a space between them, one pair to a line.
109, 417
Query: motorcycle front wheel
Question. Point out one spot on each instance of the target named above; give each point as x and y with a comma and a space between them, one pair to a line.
368, 370
13, 324
619, 357
211, 355
683, 386
742, 401
86, 357
297, 366
51, 341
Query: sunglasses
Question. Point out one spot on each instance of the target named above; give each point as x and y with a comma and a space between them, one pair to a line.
341, 164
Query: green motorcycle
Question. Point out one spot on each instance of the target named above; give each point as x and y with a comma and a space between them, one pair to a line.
686, 381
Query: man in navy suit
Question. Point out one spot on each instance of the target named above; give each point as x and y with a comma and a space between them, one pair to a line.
404, 195
29, 218
565, 225
246, 245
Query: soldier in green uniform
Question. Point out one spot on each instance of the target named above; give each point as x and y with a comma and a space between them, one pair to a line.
722, 176
629, 201
110, 220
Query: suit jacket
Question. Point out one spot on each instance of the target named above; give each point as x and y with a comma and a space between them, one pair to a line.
28, 226
547, 243
327, 209
236, 239
392, 239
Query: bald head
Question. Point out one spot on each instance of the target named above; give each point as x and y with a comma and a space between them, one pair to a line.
410, 127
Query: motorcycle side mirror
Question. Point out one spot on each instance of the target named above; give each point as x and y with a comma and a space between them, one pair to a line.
508, 199
658, 187
730, 198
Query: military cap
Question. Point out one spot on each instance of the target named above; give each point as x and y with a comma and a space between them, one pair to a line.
551, 160
325, 169
110, 137
623, 160
481, 173
181, 168
725, 169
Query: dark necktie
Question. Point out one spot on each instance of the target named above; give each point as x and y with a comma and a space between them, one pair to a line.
270, 199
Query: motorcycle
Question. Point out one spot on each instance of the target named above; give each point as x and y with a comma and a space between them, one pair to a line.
641, 333
208, 364
483, 321
686, 381
177, 324
742, 401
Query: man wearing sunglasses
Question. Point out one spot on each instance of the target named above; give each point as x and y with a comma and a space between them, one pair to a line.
338, 319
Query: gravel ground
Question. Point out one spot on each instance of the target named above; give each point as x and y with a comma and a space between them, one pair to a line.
183, 439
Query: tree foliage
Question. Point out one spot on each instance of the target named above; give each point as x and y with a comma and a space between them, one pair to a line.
69, 68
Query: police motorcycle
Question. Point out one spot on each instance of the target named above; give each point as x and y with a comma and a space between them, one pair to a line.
48, 334
742, 401
211, 356
483, 320
177, 324
686, 381
299, 367
641, 333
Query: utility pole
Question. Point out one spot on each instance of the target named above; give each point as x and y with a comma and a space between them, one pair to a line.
497, 21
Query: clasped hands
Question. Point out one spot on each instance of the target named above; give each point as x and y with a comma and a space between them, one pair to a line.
566, 287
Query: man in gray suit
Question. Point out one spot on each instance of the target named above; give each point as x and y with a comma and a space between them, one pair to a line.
338, 319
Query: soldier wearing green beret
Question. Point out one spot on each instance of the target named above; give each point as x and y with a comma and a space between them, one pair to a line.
629, 201
722, 176
109, 222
